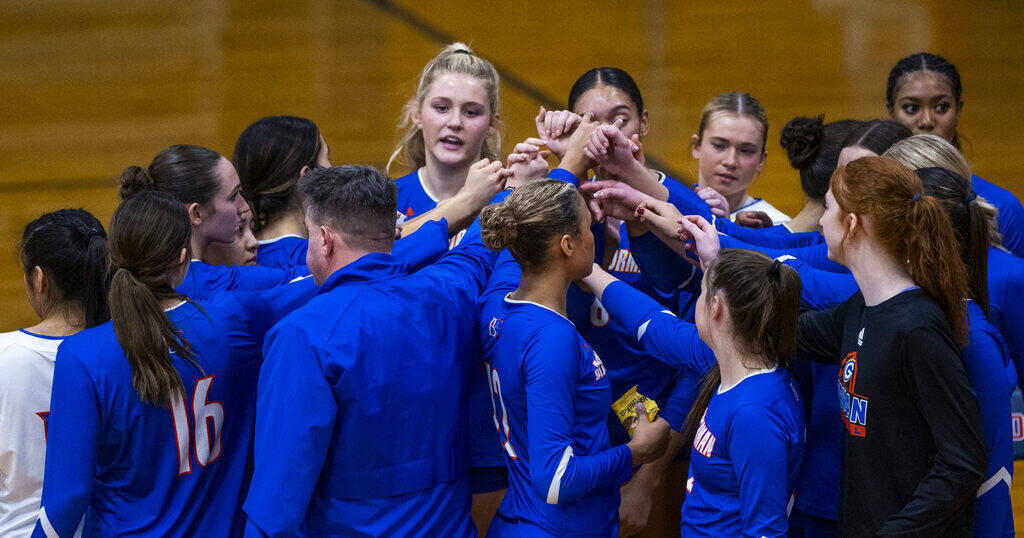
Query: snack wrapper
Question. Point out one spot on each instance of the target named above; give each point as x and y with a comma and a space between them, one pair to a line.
625, 408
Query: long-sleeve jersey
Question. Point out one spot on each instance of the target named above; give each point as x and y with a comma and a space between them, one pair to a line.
690, 203
985, 359
625, 359
204, 280
136, 469
418, 249
745, 459
361, 413
661, 334
414, 199
26, 374
551, 396
1011, 213
914, 452
1005, 295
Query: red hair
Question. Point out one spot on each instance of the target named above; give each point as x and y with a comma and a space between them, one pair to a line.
911, 226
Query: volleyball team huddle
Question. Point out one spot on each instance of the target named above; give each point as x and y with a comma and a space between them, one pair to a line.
565, 342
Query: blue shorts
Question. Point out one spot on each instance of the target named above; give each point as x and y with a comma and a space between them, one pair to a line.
488, 479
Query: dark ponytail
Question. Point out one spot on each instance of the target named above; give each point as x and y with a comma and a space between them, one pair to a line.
970, 225
268, 156
763, 298
813, 148
147, 233
70, 246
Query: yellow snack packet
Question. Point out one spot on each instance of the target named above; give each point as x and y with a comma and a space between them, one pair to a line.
625, 408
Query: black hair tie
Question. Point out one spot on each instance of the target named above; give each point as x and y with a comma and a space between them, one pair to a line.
462, 51
970, 197
775, 269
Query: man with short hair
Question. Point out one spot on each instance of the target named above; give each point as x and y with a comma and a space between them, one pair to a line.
360, 422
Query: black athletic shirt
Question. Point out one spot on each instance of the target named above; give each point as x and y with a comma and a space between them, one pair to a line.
914, 455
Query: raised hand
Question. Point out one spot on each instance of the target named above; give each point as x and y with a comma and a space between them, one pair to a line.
614, 153
555, 127
485, 179
754, 219
704, 236
718, 204
575, 159
613, 199
527, 161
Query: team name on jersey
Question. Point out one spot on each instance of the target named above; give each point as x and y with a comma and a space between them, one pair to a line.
704, 440
853, 406
454, 241
623, 262
599, 369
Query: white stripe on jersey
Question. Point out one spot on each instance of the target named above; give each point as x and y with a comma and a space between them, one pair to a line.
556, 481
44, 522
1002, 475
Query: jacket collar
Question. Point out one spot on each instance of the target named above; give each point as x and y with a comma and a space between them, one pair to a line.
370, 267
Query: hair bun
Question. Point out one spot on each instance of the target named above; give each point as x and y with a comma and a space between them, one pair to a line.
802, 138
498, 226
133, 180
459, 47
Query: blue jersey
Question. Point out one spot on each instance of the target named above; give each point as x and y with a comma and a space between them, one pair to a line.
414, 199
143, 470
485, 450
1005, 295
418, 249
413, 196
282, 252
627, 362
1011, 213
361, 414
659, 332
204, 280
745, 458
551, 397
985, 359
778, 236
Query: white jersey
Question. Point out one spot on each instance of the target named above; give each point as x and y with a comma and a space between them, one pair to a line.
757, 204
26, 375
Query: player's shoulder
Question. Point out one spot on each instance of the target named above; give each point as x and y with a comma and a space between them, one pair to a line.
412, 178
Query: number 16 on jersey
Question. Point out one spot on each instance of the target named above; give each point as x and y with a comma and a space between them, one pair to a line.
209, 422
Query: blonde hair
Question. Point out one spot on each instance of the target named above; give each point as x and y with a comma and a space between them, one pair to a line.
529, 218
739, 104
926, 151
455, 58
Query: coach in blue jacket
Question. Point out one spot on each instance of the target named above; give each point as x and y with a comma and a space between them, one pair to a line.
360, 422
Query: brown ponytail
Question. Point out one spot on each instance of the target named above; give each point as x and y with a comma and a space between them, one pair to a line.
763, 298
970, 222
911, 226
147, 233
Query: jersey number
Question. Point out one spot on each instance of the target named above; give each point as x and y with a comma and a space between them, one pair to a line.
502, 425
209, 422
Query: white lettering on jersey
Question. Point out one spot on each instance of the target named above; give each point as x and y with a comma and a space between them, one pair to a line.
599, 369
704, 441
623, 262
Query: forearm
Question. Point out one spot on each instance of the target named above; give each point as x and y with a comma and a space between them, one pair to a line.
650, 475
